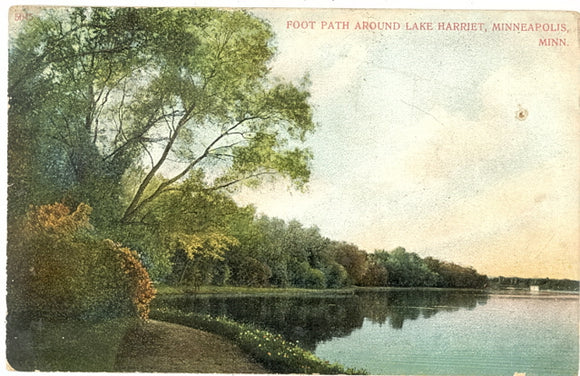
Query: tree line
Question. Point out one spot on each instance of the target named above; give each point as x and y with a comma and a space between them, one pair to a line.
268, 251
525, 283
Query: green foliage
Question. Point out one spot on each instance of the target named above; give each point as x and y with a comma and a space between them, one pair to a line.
408, 270
294, 255
221, 274
192, 224
315, 279
148, 241
62, 68
273, 351
251, 272
307, 277
375, 275
453, 275
336, 275
404, 269
271, 252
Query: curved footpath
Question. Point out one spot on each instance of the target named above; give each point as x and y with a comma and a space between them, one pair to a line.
156, 346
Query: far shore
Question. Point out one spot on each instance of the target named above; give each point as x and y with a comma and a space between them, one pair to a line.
165, 290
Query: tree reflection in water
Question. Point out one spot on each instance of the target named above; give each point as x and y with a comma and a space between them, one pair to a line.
315, 318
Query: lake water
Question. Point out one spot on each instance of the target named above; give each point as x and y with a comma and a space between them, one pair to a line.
434, 332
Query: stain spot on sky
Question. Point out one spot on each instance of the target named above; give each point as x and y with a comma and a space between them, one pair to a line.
521, 113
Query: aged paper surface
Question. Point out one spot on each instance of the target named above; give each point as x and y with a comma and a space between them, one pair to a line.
452, 135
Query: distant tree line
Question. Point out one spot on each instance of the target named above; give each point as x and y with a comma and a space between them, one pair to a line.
525, 283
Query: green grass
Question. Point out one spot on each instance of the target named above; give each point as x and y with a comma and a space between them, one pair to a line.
80, 346
271, 350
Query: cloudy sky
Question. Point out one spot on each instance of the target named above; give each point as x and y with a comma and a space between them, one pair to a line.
419, 144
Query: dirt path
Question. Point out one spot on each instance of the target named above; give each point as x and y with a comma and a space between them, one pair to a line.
158, 346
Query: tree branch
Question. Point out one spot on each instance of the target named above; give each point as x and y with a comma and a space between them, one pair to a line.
140, 136
136, 206
239, 180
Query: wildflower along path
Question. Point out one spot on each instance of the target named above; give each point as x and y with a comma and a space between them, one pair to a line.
157, 346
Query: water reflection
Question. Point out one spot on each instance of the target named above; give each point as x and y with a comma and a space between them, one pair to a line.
396, 306
316, 318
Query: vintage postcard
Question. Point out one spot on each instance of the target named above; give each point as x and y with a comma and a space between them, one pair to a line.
293, 190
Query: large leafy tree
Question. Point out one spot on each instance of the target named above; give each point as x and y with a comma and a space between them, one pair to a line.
352, 259
171, 91
64, 68
117, 107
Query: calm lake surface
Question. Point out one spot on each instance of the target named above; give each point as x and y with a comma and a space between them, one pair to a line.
434, 332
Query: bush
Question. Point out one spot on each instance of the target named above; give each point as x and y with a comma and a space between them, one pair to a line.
375, 275
271, 350
304, 276
135, 278
58, 270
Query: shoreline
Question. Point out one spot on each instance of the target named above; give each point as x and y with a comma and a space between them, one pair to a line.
226, 291
270, 350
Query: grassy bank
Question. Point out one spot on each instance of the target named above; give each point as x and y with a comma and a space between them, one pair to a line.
163, 289
271, 350
81, 346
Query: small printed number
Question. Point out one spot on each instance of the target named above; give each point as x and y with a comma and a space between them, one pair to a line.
23, 16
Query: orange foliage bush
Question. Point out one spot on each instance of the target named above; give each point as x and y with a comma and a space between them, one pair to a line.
57, 219
57, 269
48, 263
139, 285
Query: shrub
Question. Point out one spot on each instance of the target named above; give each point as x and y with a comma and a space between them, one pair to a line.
251, 272
375, 275
136, 279
58, 270
305, 276
47, 262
